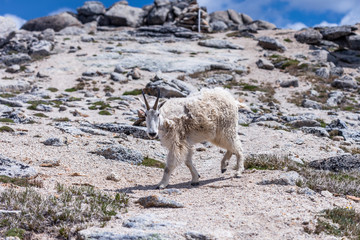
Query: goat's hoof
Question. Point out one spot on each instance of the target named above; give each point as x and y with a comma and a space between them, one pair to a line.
199, 176
160, 186
195, 184
223, 170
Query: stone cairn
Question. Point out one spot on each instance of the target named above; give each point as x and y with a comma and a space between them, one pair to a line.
194, 18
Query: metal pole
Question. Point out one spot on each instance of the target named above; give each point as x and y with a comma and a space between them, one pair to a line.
199, 20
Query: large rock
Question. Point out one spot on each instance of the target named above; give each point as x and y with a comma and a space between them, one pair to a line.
307, 103
123, 15
12, 168
220, 16
323, 72
56, 22
345, 82
218, 26
354, 42
41, 48
14, 86
264, 64
262, 25
158, 201
219, 43
309, 36
333, 33
12, 59
138, 132
121, 153
338, 163
158, 15
235, 17
169, 89
335, 98
91, 8
317, 131
271, 44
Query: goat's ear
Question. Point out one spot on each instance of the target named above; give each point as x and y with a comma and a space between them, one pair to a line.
141, 113
161, 104
141, 101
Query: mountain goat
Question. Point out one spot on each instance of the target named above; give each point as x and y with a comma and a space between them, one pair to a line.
210, 115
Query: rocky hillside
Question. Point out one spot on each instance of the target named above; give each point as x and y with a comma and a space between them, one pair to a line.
76, 162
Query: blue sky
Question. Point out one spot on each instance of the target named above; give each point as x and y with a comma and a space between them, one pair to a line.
284, 13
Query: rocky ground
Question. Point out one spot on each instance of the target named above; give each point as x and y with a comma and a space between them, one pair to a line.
65, 107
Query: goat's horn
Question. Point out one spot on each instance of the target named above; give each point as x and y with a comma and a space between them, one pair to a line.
146, 102
157, 100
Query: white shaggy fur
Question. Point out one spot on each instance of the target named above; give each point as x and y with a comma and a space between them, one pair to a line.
210, 115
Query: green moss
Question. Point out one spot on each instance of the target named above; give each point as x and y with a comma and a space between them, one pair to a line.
74, 99
63, 119
6, 129
107, 88
51, 89
104, 112
133, 92
114, 98
248, 87
150, 162
99, 105
21, 182
7, 95
6, 120
15, 232
66, 39
70, 90
288, 40
40, 115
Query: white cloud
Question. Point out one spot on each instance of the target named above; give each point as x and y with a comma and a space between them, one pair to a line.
61, 10
296, 26
326, 24
351, 17
17, 20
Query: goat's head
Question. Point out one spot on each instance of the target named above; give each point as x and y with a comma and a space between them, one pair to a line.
152, 117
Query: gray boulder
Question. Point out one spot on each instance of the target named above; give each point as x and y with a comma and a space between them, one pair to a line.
333, 33
123, 15
317, 131
137, 132
323, 72
161, 3
235, 17
262, 25
345, 82
41, 48
121, 153
73, 30
14, 86
158, 201
118, 77
309, 36
158, 15
53, 142
335, 98
338, 163
12, 59
12, 168
354, 42
220, 16
271, 44
48, 35
336, 71
307, 103
264, 64
219, 43
290, 83
56, 22
169, 89
91, 8
218, 26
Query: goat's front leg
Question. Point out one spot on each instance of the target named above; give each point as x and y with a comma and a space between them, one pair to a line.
195, 175
171, 163
225, 161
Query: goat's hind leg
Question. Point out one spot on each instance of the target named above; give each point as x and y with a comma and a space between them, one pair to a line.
239, 168
225, 161
195, 175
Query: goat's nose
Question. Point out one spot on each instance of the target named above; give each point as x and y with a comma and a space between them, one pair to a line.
152, 134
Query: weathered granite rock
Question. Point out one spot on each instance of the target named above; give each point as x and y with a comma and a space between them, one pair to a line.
53, 142
91, 8
317, 131
309, 36
218, 26
138, 132
235, 17
120, 153
290, 83
304, 123
306, 103
118, 77
338, 163
14, 86
354, 42
56, 22
335, 98
123, 15
12, 168
158, 15
72, 30
18, 58
219, 43
106, 234
345, 82
41, 48
265, 64
271, 44
323, 72
166, 31
262, 25
333, 33
158, 201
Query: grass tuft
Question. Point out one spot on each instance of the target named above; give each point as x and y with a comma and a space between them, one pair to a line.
104, 112
133, 92
150, 162
6, 120
6, 129
60, 215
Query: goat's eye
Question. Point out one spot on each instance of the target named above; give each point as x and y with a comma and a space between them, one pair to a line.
145, 115
158, 114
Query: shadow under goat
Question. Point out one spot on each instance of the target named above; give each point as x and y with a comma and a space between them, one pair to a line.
209, 115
